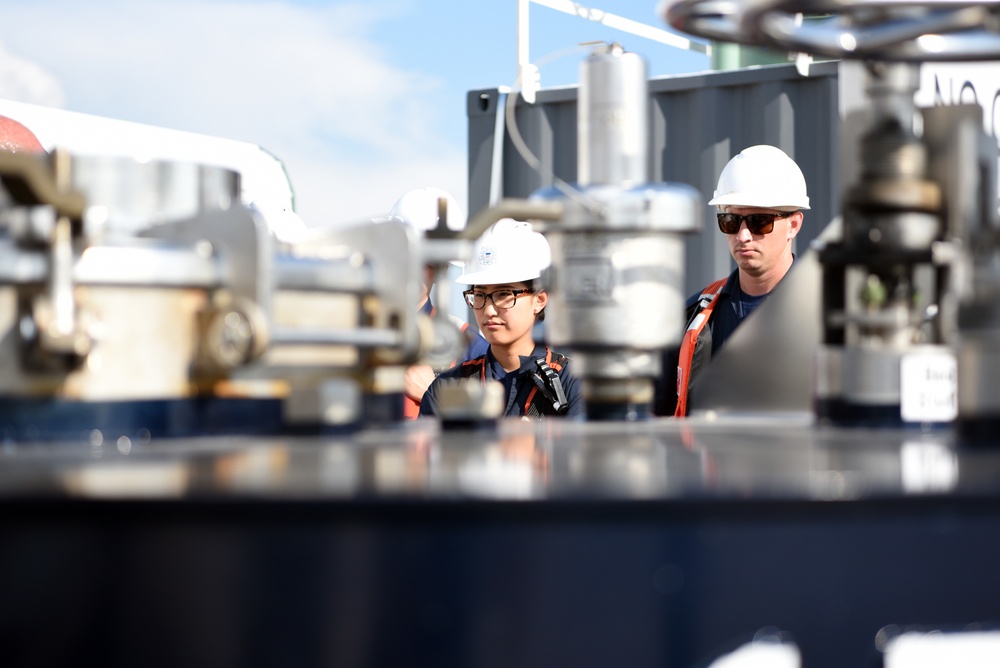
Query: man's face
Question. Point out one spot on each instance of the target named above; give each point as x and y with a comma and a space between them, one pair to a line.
756, 254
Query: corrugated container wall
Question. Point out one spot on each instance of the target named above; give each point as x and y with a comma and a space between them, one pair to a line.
698, 122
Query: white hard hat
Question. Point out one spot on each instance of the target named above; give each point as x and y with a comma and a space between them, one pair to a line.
420, 208
509, 252
762, 176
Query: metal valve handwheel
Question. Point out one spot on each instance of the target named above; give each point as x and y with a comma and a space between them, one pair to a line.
894, 30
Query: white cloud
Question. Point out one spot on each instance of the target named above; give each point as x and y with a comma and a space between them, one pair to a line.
311, 85
371, 190
24, 81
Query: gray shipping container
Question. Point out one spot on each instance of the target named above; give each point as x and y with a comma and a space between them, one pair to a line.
698, 122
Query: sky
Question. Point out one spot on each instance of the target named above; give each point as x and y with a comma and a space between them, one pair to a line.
361, 100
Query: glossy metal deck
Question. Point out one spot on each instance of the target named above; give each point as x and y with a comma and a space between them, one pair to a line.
657, 543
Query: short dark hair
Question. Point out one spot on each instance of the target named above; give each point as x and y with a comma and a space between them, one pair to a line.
540, 316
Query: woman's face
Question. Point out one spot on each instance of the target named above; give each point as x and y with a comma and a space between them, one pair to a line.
512, 321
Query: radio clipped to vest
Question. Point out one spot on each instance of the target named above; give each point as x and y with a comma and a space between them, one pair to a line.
549, 384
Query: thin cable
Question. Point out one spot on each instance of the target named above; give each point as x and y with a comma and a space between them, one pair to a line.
590, 205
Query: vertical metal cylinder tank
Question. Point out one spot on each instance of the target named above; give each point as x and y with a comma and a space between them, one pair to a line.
617, 272
613, 119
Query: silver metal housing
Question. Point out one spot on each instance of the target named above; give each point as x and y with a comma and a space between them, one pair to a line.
128, 282
616, 280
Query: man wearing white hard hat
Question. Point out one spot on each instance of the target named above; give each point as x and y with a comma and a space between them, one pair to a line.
421, 208
760, 198
507, 262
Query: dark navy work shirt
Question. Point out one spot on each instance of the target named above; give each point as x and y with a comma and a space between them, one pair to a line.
517, 385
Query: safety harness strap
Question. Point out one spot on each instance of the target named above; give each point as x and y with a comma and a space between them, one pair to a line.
705, 305
475, 366
546, 380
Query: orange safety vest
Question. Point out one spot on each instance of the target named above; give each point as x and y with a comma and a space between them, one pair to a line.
705, 305
411, 407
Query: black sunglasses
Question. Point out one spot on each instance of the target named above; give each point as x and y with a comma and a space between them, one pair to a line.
757, 223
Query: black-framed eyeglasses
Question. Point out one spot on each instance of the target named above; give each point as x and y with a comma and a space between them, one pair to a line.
501, 298
757, 223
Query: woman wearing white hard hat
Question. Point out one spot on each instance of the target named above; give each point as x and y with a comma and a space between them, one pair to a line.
760, 198
503, 293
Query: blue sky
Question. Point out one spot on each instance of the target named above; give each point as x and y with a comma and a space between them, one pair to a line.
361, 100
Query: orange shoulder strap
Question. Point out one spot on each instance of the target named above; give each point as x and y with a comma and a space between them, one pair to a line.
411, 408
706, 302
470, 368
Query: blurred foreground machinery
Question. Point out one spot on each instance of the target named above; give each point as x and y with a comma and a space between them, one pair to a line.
141, 300
909, 289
